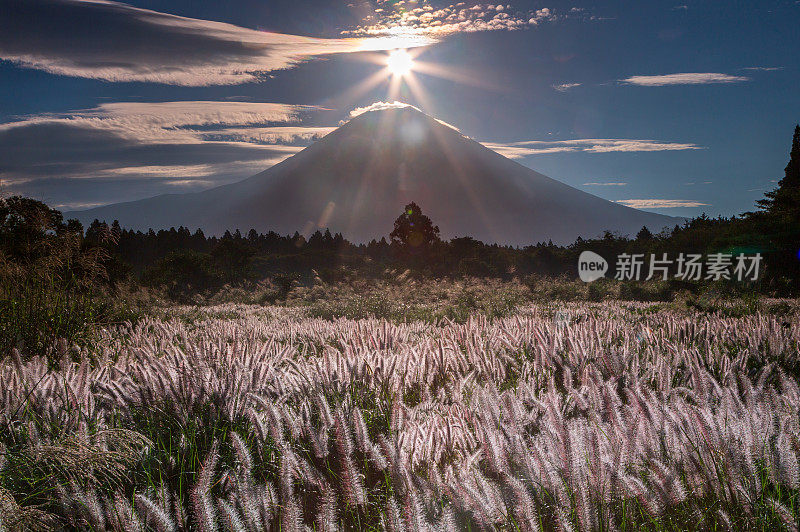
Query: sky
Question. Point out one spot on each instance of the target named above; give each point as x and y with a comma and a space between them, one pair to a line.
677, 107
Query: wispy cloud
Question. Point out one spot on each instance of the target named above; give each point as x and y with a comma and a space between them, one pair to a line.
687, 78
618, 184
124, 150
380, 106
176, 170
661, 203
267, 135
763, 69
455, 18
564, 87
159, 121
516, 150
117, 42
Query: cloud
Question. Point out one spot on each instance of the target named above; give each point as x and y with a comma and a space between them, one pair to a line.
269, 135
516, 150
128, 150
380, 106
509, 150
661, 203
763, 69
173, 114
688, 78
177, 170
620, 184
564, 87
163, 121
455, 18
76, 206
542, 15
112, 41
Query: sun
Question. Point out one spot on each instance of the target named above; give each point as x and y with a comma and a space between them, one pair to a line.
399, 62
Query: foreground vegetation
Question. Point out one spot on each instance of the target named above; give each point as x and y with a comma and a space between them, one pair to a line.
587, 416
59, 284
406, 385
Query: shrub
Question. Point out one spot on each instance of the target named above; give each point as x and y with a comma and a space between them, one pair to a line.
53, 282
184, 274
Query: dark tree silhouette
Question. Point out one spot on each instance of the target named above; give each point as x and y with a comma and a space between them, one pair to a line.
784, 201
233, 256
412, 229
25, 224
778, 222
183, 273
644, 234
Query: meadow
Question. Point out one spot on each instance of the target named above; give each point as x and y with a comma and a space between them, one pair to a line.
490, 413
213, 359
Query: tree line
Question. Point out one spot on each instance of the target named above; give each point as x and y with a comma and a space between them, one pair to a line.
181, 260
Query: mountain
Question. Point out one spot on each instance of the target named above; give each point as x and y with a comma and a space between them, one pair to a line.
357, 179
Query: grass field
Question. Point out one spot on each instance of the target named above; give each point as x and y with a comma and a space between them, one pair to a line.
549, 416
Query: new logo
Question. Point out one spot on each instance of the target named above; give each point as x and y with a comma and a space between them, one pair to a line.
591, 266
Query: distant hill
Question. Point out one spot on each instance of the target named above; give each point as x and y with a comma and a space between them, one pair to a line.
357, 179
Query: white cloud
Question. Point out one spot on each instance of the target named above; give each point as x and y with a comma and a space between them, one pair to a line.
455, 18
268, 135
76, 206
138, 149
117, 42
177, 170
661, 203
542, 15
380, 106
509, 150
525, 148
687, 78
633, 145
763, 69
564, 87
182, 121
181, 113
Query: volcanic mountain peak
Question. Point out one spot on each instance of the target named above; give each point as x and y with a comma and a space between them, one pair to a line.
378, 116
358, 178
394, 127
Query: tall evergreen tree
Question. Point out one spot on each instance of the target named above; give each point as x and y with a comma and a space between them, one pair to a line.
412, 229
778, 224
644, 234
784, 201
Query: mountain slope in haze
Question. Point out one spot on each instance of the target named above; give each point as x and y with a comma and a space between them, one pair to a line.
357, 179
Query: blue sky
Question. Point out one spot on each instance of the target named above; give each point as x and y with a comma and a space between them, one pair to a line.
677, 107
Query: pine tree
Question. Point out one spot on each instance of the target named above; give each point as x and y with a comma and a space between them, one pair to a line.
413, 229
777, 224
644, 234
784, 201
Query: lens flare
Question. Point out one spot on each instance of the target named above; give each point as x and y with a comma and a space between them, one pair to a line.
400, 62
